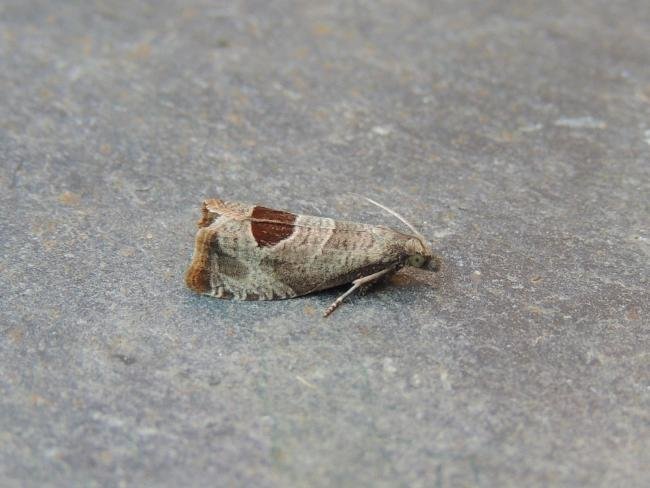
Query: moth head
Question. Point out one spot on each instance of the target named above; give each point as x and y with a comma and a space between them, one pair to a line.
418, 252
420, 255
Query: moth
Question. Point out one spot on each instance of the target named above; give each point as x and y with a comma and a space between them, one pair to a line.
251, 252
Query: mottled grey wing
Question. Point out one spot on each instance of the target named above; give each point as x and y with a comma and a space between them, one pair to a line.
322, 253
274, 258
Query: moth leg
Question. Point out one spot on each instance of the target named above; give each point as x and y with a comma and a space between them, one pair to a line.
363, 289
365, 280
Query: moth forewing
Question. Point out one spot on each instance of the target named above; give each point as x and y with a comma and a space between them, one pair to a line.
250, 252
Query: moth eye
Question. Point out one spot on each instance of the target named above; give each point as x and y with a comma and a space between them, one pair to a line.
417, 260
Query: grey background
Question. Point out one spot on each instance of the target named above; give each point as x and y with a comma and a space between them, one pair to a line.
514, 134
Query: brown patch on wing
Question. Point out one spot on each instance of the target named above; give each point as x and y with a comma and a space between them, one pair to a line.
271, 226
197, 277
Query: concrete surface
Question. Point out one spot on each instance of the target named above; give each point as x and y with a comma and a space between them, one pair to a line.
515, 134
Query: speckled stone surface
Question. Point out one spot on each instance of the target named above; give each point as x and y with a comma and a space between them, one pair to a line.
516, 135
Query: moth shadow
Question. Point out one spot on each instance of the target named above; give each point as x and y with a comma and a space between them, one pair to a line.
414, 278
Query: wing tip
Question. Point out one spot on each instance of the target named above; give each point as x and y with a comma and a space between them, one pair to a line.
198, 275
209, 212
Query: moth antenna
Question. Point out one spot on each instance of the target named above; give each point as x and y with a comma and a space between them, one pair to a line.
395, 214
